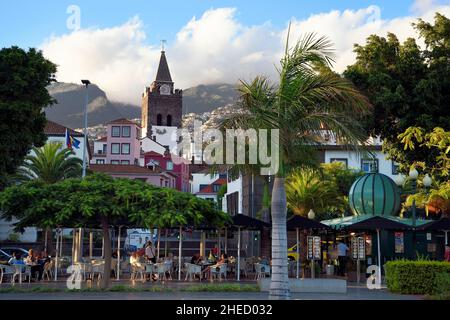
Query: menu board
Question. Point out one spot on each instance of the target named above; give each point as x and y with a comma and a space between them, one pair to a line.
358, 248
314, 251
354, 245
361, 248
399, 242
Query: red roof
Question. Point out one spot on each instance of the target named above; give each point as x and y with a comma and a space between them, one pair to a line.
123, 121
209, 188
123, 169
153, 154
56, 129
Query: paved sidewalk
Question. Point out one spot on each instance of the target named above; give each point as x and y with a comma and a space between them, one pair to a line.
354, 292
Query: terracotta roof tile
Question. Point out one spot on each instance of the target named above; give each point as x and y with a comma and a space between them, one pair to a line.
209, 188
56, 129
123, 121
123, 169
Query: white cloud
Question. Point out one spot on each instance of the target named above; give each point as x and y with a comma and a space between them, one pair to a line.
213, 48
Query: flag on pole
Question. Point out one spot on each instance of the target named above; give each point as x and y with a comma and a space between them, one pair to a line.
71, 142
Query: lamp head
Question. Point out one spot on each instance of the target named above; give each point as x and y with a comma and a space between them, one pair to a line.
413, 174
427, 181
311, 214
399, 180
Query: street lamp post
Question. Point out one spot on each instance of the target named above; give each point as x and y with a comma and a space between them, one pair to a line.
413, 176
86, 83
85, 146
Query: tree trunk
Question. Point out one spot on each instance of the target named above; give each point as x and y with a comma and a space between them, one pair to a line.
107, 251
50, 247
279, 285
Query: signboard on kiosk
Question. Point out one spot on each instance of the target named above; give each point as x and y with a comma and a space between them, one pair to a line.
314, 250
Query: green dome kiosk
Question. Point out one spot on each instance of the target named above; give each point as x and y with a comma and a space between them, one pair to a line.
374, 194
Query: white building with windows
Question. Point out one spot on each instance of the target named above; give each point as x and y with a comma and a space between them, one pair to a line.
55, 132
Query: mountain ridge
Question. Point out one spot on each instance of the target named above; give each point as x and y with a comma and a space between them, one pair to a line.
69, 109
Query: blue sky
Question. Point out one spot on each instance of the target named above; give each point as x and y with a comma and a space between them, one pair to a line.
118, 43
28, 23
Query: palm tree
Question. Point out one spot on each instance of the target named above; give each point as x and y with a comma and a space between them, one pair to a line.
307, 98
49, 164
306, 189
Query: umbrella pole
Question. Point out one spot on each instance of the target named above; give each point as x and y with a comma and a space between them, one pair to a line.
218, 242
239, 255
103, 247
379, 257
298, 254
165, 244
446, 238
159, 239
45, 241
91, 240
118, 254
179, 255
80, 244
56, 256
226, 240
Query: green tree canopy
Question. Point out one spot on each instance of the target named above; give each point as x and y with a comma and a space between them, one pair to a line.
24, 76
408, 86
101, 201
50, 163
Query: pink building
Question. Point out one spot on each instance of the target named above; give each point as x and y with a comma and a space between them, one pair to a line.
154, 176
165, 162
122, 143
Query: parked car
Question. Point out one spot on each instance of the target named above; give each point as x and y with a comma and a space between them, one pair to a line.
20, 252
4, 257
292, 253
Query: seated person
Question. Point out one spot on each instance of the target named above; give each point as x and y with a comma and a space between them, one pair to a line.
196, 258
211, 257
14, 260
135, 260
33, 260
265, 261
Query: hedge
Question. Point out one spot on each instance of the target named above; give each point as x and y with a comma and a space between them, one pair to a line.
417, 277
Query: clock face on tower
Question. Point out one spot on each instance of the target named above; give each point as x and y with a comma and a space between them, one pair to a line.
164, 89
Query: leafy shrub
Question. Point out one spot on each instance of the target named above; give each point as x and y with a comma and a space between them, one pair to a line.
442, 283
416, 277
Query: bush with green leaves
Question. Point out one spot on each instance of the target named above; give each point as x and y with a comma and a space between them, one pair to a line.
417, 277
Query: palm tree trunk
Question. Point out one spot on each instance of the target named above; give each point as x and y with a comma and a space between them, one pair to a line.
107, 252
279, 285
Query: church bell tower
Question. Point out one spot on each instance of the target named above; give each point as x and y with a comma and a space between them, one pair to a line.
161, 103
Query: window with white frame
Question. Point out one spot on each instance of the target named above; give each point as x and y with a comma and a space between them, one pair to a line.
369, 165
395, 167
100, 161
341, 160
125, 148
115, 131
126, 131
115, 148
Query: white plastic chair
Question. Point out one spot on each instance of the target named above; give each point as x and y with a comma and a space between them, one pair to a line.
219, 271
137, 269
261, 270
6, 270
98, 269
48, 270
160, 269
192, 270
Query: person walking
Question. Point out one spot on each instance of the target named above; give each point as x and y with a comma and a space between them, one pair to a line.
447, 253
342, 249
